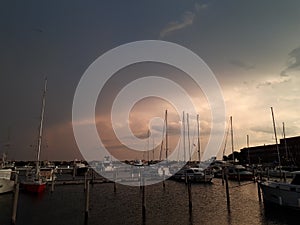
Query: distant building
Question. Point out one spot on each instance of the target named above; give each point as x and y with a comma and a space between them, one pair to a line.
289, 151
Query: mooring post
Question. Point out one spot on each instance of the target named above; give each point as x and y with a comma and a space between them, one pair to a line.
186, 178
164, 177
52, 182
15, 204
238, 176
74, 171
87, 200
227, 189
115, 185
190, 196
143, 201
85, 181
258, 190
140, 179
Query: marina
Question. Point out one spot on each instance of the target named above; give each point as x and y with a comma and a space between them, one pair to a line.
170, 202
150, 112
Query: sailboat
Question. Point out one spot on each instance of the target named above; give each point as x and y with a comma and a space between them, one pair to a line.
281, 194
200, 174
164, 169
236, 171
37, 183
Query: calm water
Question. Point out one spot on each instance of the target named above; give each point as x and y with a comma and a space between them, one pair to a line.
66, 205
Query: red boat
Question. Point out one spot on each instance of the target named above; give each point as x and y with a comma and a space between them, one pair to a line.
34, 186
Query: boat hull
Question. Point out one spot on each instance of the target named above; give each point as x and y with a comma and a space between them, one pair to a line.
281, 194
34, 187
6, 183
6, 186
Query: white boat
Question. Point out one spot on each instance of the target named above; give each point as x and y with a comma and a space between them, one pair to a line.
138, 163
107, 164
194, 174
282, 194
6, 183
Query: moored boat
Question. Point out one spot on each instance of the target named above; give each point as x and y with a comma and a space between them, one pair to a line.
239, 173
37, 183
194, 174
6, 183
282, 194
34, 185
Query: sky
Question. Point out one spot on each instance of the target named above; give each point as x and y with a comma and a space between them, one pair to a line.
252, 47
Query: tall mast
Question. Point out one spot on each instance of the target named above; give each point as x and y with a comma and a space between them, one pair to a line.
198, 129
41, 128
277, 147
227, 132
153, 148
232, 147
188, 133
166, 121
285, 145
248, 149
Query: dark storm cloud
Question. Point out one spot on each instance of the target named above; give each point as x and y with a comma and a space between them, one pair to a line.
293, 62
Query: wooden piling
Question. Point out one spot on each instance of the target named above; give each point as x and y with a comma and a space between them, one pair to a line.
164, 177
227, 189
190, 196
74, 172
258, 191
85, 181
87, 200
115, 184
15, 204
52, 182
238, 176
186, 178
143, 202
140, 179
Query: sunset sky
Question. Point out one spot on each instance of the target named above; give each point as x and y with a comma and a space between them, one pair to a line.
252, 47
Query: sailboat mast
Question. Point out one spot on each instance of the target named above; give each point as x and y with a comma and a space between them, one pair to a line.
231, 131
41, 127
188, 133
248, 149
198, 131
277, 147
285, 145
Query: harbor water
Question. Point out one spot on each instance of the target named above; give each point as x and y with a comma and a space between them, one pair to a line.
164, 205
